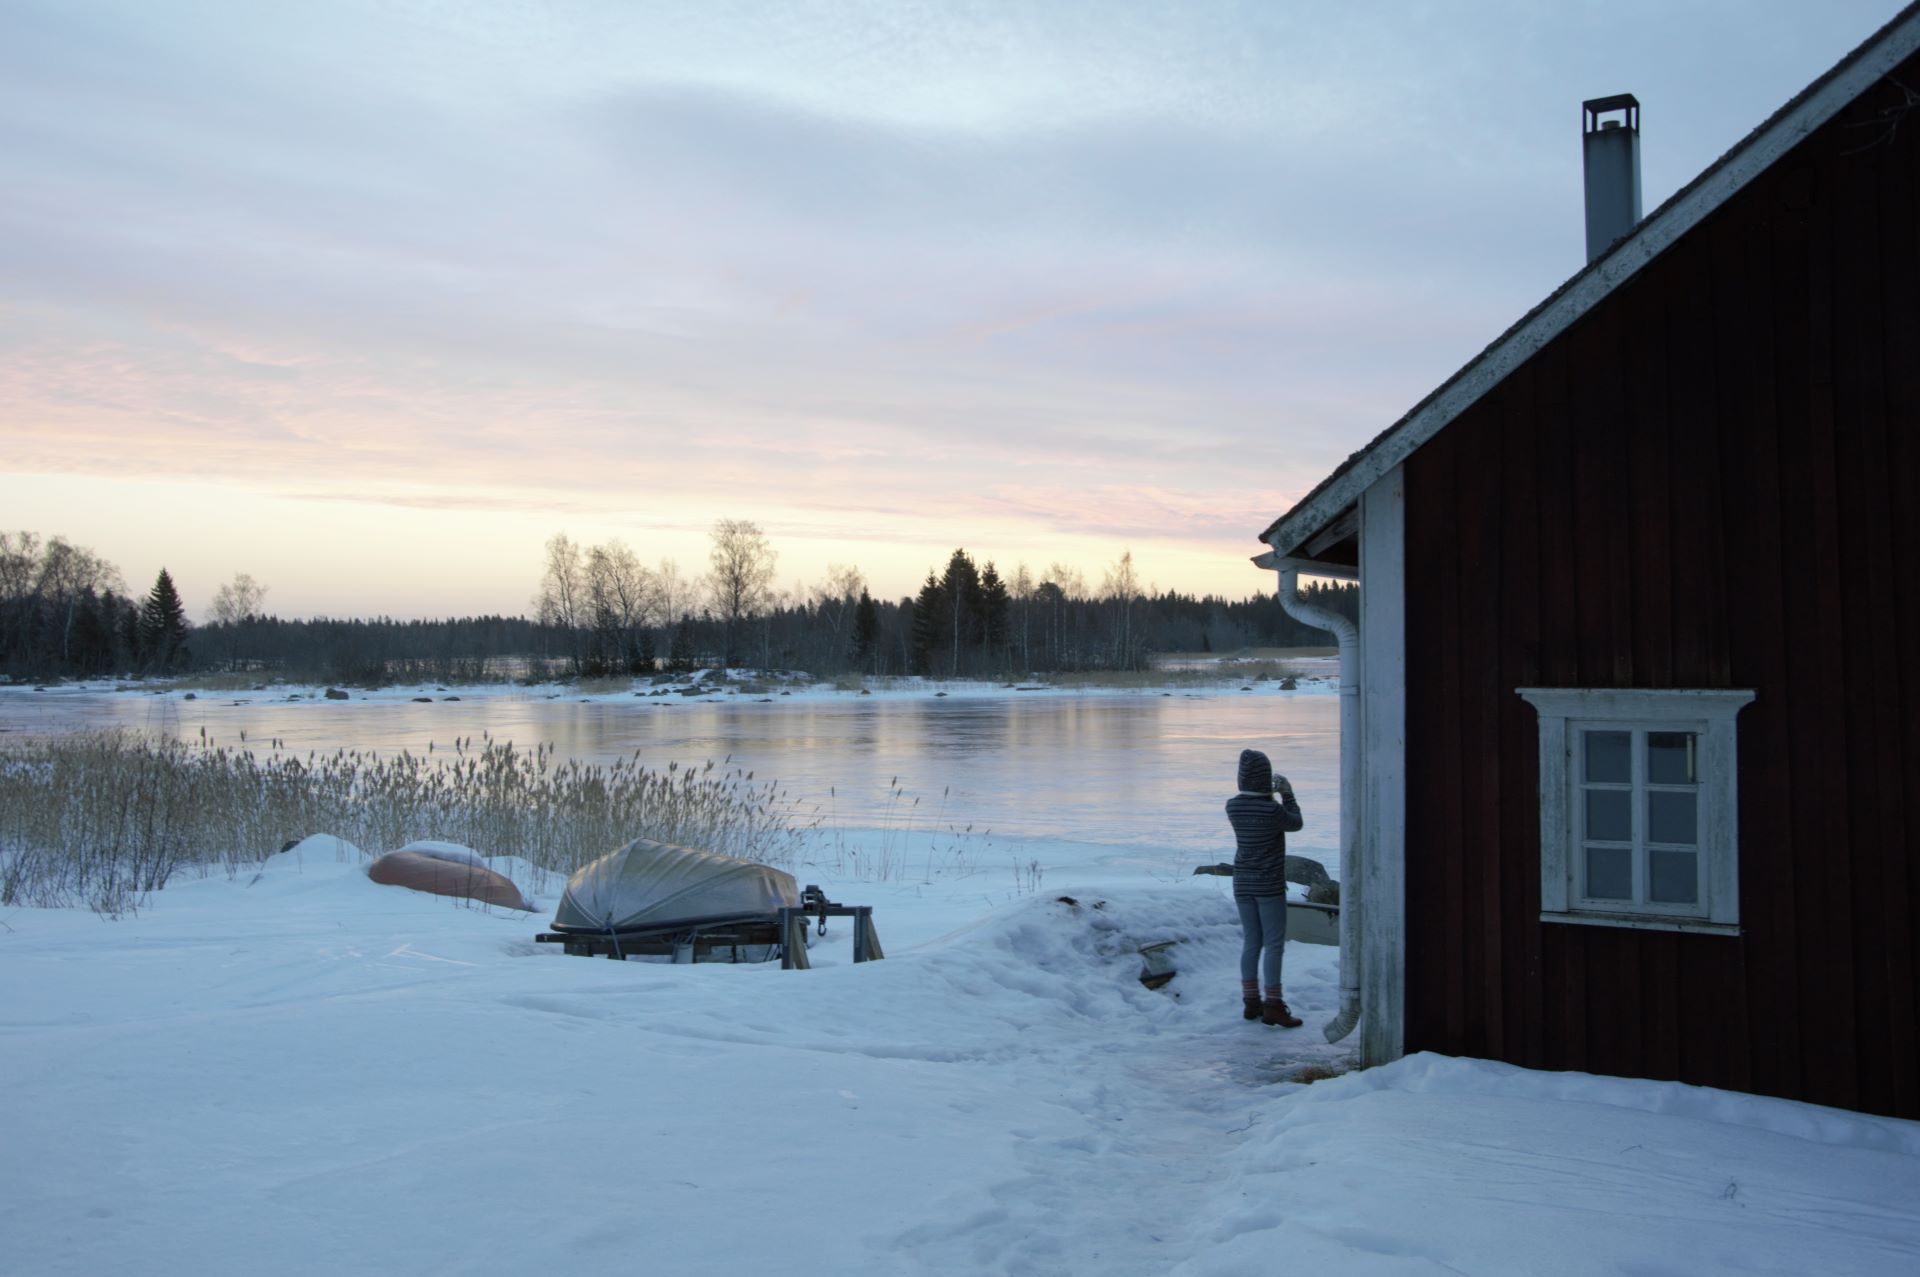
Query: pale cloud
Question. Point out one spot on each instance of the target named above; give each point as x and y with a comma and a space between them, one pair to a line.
885, 277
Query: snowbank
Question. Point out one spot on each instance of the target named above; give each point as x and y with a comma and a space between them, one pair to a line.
301, 1072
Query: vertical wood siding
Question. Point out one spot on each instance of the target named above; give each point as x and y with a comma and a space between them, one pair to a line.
1711, 480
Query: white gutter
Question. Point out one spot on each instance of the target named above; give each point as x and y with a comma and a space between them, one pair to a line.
1348, 637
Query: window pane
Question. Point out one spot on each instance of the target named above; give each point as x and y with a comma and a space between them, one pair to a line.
1609, 757
1672, 816
1672, 758
1610, 814
1673, 877
1609, 873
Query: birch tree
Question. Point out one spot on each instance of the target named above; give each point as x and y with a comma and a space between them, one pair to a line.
621, 597
70, 574
1120, 587
561, 601
741, 583
1022, 589
236, 604
1068, 587
834, 598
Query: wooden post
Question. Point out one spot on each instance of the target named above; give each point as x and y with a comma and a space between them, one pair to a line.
866, 940
793, 940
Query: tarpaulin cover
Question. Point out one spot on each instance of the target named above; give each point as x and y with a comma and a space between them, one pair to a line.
655, 884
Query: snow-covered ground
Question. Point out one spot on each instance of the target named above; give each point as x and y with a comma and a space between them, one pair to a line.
303, 1072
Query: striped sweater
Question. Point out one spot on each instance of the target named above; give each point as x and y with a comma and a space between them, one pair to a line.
1260, 829
1261, 822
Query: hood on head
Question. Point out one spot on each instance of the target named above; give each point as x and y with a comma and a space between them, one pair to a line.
1256, 773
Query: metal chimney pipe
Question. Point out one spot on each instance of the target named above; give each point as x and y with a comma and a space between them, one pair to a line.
1611, 146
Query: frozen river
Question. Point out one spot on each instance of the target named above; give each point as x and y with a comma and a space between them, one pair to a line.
1142, 770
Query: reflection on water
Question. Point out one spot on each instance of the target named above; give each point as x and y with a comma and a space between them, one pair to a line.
1142, 770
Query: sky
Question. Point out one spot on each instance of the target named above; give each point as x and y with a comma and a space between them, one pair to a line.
369, 299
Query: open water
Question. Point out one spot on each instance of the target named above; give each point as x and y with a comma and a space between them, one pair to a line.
1145, 771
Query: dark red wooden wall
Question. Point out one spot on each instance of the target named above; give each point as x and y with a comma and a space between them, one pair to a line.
1711, 480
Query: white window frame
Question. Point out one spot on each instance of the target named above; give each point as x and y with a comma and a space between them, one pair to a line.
1710, 713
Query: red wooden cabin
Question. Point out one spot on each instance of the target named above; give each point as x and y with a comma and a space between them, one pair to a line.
1639, 658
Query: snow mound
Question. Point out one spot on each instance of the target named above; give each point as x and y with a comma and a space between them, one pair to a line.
1431, 1074
1434, 1164
452, 852
1079, 954
325, 847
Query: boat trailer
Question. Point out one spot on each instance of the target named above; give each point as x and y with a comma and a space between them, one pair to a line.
695, 940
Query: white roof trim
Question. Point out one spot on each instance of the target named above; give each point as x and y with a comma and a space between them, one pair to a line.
1893, 45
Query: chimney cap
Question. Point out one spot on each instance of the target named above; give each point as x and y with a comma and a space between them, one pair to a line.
1593, 108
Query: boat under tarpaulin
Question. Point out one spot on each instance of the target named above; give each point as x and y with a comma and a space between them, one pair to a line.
662, 893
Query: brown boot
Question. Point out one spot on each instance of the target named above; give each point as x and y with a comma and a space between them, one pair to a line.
1251, 1008
1274, 1012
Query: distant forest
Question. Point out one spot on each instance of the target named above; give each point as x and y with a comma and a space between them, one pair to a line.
64, 612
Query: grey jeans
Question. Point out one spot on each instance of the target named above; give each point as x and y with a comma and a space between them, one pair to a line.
1263, 927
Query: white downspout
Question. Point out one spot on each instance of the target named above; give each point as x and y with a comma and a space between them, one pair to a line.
1347, 635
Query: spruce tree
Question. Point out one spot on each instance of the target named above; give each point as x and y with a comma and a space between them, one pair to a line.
127, 629
163, 625
680, 648
91, 649
994, 605
961, 587
929, 624
866, 632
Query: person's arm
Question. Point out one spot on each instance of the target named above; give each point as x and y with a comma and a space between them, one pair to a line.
1291, 821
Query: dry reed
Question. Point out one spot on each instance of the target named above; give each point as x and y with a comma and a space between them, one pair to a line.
105, 819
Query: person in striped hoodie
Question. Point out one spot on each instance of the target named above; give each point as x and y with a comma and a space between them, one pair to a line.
1262, 814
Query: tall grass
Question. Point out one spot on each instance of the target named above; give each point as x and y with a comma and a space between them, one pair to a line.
105, 819
882, 857
888, 845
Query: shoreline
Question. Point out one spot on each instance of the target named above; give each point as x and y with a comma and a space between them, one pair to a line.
1316, 675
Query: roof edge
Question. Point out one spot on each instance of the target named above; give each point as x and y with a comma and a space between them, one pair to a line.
1811, 108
